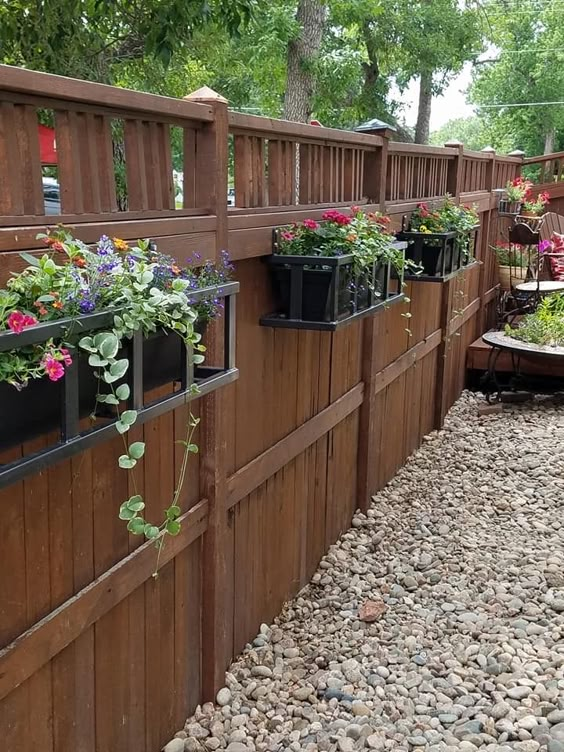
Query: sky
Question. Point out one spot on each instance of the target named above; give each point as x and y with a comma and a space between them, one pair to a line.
451, 104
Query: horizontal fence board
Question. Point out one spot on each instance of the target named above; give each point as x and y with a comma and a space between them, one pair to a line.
252, 475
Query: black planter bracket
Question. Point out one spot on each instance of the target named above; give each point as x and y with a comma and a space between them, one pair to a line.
205, 379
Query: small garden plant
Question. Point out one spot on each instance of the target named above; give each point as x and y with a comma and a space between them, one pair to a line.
148, 291
545, 326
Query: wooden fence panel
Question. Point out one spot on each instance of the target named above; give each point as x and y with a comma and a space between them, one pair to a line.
95, 653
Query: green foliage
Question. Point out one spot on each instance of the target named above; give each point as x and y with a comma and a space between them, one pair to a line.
89, 38
528, 67
470, 131
545, 326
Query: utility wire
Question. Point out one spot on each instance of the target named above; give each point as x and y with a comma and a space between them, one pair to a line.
515, 104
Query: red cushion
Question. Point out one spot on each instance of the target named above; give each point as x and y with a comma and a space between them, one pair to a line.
557, 268
557, 241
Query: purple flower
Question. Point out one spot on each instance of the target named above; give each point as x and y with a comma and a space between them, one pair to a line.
105, 246
545, 245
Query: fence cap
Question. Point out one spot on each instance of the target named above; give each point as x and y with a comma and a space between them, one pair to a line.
205, 94
516, 153
453, 143
489, 149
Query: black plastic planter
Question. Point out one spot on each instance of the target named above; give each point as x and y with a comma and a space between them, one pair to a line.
322, 292
437, 253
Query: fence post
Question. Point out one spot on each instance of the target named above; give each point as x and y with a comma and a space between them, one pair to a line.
376, 166
217, 599
455, 170
485, 230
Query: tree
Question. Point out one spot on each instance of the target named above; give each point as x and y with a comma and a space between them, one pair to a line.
302, 53
91, 38
470, 131
528, 68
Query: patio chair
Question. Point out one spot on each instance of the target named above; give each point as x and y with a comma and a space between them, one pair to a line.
541, 278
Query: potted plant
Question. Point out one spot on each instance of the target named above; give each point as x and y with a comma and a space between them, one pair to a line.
329, 271
74, 282
441, 240
534, 206
513, 263
515, 192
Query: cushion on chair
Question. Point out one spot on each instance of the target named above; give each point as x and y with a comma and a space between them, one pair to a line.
557, 264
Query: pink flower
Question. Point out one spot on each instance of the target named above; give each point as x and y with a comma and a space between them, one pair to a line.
287, 235
18, 321
53, 368
311, 224
335, 216
67, 360
545, 245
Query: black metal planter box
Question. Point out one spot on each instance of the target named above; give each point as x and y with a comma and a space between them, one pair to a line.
44, 406
324, 293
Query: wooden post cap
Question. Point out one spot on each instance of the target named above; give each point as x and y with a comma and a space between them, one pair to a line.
205, 94
453, 143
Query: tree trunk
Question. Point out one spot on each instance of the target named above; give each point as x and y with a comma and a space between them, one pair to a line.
300, 79
548, 149
424, 111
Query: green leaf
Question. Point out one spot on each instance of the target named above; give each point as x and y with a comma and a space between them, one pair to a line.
136, 526
151, 531
192, 448
31, 260
129, 417
173, 512
146, 278
45, 299
122, 427
87, 343
137, 450
172, 527
111, 400
119, 368
125, 511
123, 391
135, 503
96, 361
109, 346
101, 398
125, 462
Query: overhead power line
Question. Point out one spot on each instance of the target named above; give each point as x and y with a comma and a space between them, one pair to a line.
515, 104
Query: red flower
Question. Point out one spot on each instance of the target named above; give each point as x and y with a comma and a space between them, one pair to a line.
79, 261
53, 368
18, 321
287, 235
335, 216
311, 224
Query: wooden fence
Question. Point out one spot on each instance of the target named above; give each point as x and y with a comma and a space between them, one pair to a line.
96, 654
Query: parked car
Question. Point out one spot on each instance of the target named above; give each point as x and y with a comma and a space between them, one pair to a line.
51, 196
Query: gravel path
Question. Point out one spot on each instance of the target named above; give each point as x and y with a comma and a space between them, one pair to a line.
461, 560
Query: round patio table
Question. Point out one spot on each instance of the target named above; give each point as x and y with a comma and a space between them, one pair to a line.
543, 287
500, 342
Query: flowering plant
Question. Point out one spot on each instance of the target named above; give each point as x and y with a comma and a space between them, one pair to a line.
365, 235
517, 189
535, 204
449, 217
74, 279
147, 291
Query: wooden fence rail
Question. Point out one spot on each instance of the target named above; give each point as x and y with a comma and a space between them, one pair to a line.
95, 654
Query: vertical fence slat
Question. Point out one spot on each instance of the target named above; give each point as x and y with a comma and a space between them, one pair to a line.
136, 174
